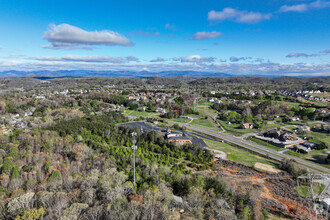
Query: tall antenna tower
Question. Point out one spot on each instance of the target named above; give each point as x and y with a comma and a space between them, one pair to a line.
316, 198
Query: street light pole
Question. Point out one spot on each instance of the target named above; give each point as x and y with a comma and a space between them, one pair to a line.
134, 147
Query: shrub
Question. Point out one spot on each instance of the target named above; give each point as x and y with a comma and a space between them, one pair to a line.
15, 174
47, 165
7, 167
32, 214
56, 175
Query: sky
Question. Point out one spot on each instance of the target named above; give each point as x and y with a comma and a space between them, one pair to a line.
238, 37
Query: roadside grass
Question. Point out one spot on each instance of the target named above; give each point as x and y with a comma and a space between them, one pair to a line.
238, 155
264, 143
201, 121
317, 188
235, 128
313, 155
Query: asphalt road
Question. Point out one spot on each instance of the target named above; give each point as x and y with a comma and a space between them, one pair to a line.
252, 146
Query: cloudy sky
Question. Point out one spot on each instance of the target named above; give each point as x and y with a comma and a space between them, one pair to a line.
274, 37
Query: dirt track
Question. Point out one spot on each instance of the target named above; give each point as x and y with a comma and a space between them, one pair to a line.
276, 191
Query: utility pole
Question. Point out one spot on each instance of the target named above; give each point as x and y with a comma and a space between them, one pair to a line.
134, 147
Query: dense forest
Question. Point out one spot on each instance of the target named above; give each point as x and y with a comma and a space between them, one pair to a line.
82, 169
300, 83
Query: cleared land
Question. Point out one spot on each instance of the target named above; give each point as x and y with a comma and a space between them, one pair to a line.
238, 155
267, 168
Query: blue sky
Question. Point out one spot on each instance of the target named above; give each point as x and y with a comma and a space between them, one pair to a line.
283, 37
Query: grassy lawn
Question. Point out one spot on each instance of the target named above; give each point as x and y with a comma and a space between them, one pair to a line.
270, 126
312, 155
292, 104
181, 120
205, 109
289, 128
264, 143
320, 94
320, 136
238, 155
143, 113
201, 121
317, 188
235, 128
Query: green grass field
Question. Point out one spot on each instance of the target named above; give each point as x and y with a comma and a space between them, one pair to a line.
201, 121
320, 94
142, 113
264, 143
235, 129
181, 120
205, 109
320, 136
313, 155
317, 188
238, 155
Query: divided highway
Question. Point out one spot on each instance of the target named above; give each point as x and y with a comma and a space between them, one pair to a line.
252, 146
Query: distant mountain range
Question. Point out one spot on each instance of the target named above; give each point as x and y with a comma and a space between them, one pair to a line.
91, 73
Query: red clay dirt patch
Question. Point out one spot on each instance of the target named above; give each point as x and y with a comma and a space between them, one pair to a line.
276, 191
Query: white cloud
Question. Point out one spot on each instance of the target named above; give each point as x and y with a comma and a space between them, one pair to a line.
296, 8
237, 16
321, 53
88, 59
170, 27
158, 59
65, 36
295, 55
320, 4
195, 59
236, 59
305, 7
206, 35
268, 68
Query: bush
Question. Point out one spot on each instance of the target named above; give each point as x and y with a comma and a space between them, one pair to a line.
32, 214
321, 146
7, 167
15, 174
47, 165
56, 175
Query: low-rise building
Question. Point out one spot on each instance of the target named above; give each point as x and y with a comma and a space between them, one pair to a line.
246, 125
180, 140
161, 110
294, 118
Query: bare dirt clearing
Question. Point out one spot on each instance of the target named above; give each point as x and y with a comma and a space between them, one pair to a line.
267, 168
275, 192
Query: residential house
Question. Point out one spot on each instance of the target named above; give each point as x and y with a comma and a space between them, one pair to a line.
246, 125
161, 110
